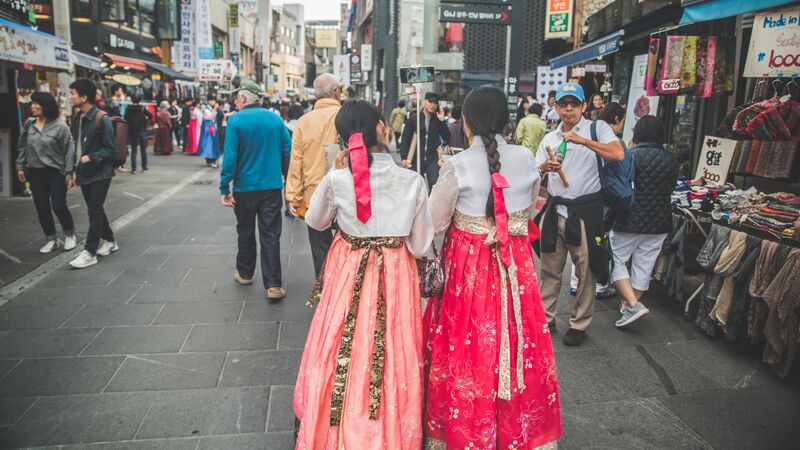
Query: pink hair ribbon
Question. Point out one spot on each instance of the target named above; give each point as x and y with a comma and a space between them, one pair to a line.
499, 183
359, 165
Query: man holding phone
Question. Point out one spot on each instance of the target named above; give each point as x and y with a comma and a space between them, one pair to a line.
433, 132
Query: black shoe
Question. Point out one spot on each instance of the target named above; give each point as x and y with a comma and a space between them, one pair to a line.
573, 292
133, 172
574, 337
552, 325
144, 169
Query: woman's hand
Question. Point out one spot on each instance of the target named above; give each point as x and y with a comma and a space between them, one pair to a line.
21, 176
342, 160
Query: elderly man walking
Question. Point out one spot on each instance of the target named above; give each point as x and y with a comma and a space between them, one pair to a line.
256, 143
309, 162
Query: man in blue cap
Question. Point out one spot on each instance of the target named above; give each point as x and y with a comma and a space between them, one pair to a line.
573, 218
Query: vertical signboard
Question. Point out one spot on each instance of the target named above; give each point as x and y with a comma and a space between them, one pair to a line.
558, 19
184, 53
355, 69
366, 57
234, 37
341, 69
205, 39
639, 104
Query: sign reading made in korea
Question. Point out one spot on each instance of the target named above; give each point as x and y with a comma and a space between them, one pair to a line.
558, 19
24, 45
492, 15
774, 44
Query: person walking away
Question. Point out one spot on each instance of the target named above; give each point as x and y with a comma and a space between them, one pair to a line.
458, 140
94, 150
312, 140
433, 133
220, 111
531, 129
185, 121
117, 104
137, 117
195, 126
397, 119
208, 147
573, 218
295, 113
490, 369
175, 115
640, 234
358, 388
46, 159
256, 143
614, 115
595, 106
163, 141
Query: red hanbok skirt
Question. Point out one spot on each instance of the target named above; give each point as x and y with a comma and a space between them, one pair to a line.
462, 351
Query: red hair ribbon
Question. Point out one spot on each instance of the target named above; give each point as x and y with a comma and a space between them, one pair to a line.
499, 183
359, 165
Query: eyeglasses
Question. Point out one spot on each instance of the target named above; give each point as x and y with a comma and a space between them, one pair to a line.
573, 103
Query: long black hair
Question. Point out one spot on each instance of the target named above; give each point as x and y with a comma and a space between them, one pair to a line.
48, 103
486, 113
359, 116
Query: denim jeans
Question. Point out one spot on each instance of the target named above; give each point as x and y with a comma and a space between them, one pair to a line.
138, 141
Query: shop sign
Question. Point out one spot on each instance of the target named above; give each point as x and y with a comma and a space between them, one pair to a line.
219, 49
578, 71
26, 46
15, 10
217, 70
366, 57
127, 80
326, 38
341, 69
205, 39
233, 16
774, 44
248, 7
547, 80
355, 69
118, 42
236, 59
558, 19
642, 105
491, 15
596, 68
184, 54
715, 160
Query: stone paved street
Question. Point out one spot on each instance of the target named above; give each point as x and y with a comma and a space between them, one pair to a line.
157, 347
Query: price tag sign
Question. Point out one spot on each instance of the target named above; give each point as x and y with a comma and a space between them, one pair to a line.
715, 160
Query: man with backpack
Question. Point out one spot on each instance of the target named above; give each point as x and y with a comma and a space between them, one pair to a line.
572, 221
95, 146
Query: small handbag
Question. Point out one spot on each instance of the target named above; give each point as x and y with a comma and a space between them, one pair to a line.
431, 275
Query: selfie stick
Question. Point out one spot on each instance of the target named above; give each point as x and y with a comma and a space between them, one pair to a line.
419, 134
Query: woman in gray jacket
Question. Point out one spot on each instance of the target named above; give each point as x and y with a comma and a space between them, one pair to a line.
46, 159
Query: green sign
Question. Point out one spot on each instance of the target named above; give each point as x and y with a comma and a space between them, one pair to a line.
559, 23
219, 50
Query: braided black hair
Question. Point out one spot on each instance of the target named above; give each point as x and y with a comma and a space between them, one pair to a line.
486, 113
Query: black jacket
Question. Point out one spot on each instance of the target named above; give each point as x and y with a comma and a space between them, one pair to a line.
186, 115
137, 116
99, 145
429, 141
656, 174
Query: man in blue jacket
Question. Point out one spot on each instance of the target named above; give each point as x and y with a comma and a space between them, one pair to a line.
95, 146
256, 144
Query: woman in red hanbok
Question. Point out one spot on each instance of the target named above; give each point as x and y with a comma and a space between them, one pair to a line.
491, 376
193, 135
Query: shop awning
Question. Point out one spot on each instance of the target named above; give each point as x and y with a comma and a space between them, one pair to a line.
86, 61
168, 71
720, 9
126, 63
603, 46
24, 45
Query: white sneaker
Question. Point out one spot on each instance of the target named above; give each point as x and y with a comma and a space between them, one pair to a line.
70, 242
107, 247
50, 246
83, 260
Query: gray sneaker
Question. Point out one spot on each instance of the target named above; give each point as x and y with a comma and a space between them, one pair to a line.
632, 314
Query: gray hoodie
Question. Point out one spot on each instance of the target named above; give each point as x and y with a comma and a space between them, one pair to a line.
50, 147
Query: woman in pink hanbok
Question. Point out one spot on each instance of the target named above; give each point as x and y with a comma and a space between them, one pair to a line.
491, 376
193, 134
360, 384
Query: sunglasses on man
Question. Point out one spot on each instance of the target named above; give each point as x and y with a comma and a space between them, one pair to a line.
572, 103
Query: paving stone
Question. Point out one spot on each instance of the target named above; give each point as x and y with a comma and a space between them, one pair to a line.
199, 313
100, 275
281, 409
83, 295
6, 365
59, 376
195, 262
641, 423
263, 368
148, 444
176, 249
206, 412
169, 294
272, 311
165, 372
293, 335
604, 334
79, 419
217, 275
138, 340
231, 291
263, 441
223, 337
171, 277
48, 342
121, 262
128, 249
22, 317
722, 362
11, 409
114, 315
755, 417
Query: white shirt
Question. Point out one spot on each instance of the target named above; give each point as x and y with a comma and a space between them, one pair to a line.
579, 164
465, 182
399, 205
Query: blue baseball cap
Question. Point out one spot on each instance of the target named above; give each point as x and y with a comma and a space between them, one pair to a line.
573, 89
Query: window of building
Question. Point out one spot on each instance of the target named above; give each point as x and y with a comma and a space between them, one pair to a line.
168, 21
82, 10
112, 10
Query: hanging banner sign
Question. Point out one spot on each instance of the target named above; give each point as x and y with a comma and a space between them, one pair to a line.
205, 38
341, 69
233, 16
217, 70
355, 69
715, 160
637, 96
366, 57
492, 15
184, 53
558, 19
248, 8
774, 44
23, 45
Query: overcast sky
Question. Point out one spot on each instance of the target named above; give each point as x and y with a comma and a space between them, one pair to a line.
316, 9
